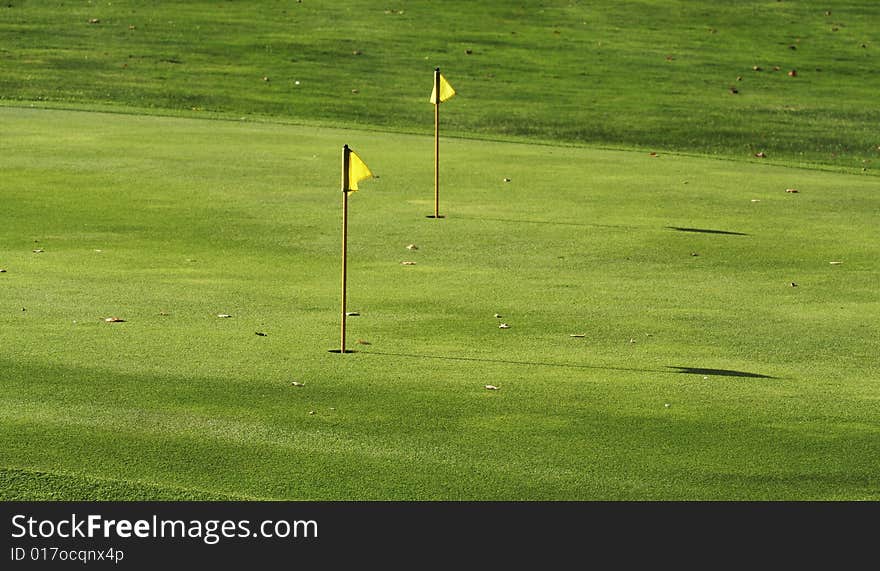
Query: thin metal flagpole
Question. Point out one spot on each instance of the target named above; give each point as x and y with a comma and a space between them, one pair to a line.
345, 161
437, 143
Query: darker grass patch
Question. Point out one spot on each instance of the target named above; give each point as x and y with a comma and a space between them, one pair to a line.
17, 484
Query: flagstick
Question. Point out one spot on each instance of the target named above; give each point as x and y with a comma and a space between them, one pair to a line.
345, 151
437, 144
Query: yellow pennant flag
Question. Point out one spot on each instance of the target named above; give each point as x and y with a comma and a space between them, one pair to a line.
357, 171
446, 91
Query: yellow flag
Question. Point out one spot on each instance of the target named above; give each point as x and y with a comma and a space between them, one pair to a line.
446, 91
357, 171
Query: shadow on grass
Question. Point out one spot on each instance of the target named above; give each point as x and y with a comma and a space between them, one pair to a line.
719, 372
680, 370
706, 231
508, 362
549, 222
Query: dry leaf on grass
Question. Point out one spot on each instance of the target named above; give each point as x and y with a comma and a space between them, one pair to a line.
407, 263
491, 388
113, 320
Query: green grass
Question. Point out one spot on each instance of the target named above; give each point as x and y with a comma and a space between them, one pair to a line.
167, 222
651, 74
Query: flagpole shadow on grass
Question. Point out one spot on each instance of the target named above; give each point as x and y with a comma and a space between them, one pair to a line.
509, 362
681, 370
717, 372
706, 231
549, 222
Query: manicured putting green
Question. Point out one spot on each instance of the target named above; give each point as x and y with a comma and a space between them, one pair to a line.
656, 347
